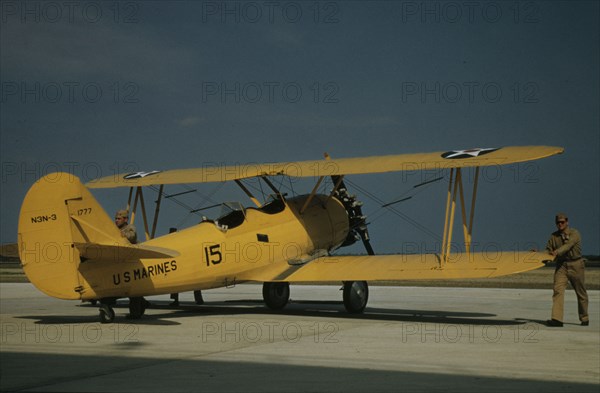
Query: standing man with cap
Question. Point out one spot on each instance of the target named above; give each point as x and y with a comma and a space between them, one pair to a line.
128, 231
137, 305
565, 246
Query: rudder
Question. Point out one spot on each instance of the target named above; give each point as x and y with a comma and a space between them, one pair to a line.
58, 215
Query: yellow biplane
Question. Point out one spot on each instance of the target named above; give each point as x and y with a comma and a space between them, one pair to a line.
71, 249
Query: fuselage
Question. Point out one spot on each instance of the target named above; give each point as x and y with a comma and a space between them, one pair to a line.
273, 238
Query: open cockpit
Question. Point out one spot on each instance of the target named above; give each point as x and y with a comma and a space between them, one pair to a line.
233, 214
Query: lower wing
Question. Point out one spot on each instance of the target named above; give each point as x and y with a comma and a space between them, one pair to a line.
402, 267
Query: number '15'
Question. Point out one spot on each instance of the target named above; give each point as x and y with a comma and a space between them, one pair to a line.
213, 254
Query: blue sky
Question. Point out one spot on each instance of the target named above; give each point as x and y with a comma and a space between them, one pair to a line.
96, 88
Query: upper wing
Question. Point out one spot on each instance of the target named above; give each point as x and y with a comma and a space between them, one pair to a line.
401, 267
344, 166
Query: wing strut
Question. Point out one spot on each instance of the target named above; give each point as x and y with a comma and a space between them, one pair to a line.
337, 181
155, 222
248, 193
472, 214
455, 184
312, 194
139, 196
271, 186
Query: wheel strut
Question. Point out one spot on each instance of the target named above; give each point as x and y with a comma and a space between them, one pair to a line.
107, 314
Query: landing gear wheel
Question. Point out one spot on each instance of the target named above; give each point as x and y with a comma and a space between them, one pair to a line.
356, 296
276, 294
198, 297
107, 314
137, 307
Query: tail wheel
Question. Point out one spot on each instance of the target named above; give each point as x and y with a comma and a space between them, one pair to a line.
356, 296
276, 294
107, 314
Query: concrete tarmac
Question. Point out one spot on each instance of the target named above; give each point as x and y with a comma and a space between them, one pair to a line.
409, 339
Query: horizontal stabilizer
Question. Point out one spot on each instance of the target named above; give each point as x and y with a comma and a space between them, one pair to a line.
120, 253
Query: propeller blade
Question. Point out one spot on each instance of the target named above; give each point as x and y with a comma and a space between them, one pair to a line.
358, 224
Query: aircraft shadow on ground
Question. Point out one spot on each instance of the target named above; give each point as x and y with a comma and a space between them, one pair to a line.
65, 372
332, 310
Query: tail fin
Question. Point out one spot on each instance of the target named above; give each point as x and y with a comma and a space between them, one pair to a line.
59, 218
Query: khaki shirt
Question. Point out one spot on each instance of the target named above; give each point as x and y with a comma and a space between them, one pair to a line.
567, 245
130, 233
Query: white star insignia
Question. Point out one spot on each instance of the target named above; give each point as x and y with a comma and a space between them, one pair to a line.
138, 175
454, 154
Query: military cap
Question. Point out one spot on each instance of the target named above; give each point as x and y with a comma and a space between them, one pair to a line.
561, 216
122, 214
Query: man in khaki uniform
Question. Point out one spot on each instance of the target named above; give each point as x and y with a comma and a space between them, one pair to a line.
137, 305
565, 246
127, 230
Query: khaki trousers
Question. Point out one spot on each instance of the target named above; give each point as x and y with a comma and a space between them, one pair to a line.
573, 272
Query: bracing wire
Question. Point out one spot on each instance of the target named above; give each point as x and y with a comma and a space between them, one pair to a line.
191, 210
380, 211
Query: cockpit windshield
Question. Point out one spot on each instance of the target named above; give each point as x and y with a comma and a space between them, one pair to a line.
232, 215
229, 207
